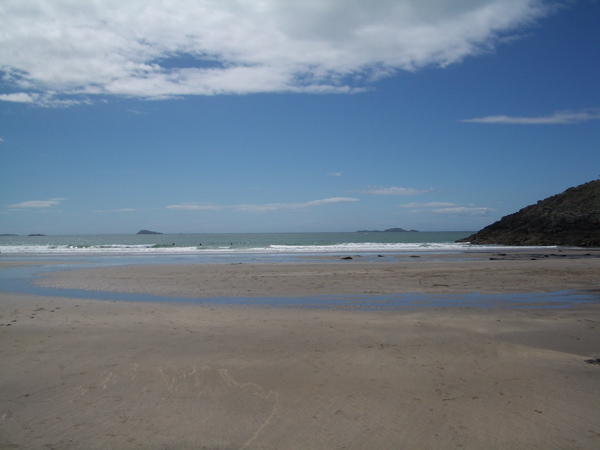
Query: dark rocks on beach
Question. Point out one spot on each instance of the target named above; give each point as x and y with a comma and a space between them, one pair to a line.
571, 218
148, 232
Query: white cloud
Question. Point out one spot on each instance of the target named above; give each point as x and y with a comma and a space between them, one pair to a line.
47, 100
19, 97
557, 118
260, 208
38, 203
335, 174
450, 209
160, 49
393, 190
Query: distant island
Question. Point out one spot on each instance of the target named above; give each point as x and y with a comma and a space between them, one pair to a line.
389, 230
148, 232
8, 234
571, 218
36, 235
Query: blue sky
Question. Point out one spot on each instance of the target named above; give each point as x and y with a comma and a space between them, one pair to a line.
276, 116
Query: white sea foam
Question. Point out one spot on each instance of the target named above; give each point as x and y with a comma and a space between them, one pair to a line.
363, 247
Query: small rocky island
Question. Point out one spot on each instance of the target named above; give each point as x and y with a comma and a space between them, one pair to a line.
148, 232
389, 230
568, 219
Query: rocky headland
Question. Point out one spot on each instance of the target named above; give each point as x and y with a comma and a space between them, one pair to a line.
571, 218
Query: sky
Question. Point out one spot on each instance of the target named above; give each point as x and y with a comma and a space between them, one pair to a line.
202, 116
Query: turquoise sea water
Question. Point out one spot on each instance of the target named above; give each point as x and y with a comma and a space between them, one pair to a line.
242, 243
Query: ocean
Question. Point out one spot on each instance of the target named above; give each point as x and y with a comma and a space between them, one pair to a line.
240, 243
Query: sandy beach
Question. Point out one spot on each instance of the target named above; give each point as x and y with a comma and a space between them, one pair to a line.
97, 374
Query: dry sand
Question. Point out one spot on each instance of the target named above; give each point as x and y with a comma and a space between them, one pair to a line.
101, 374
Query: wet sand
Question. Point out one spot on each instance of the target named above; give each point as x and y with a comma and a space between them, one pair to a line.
504, 273
101, 374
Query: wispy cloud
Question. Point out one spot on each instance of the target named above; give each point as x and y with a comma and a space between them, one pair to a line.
19, 97
450, 209
335, 174
37, 203
463, 211
392, 190
428, 205
53, 52
260, 208
191, 206
48, 99
557, 118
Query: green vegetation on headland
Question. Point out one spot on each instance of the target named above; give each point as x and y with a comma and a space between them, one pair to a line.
568, 219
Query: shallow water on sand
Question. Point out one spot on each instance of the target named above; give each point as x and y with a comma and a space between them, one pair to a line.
21, 279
